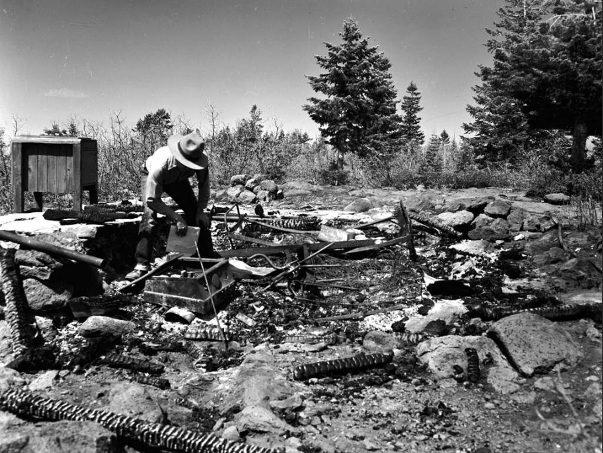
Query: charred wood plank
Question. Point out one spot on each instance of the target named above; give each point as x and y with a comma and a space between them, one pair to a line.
557, 313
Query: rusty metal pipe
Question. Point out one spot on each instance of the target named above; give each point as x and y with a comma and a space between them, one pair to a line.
52, 249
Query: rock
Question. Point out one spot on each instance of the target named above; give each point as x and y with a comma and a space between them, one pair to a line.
497, 229
476, 248
48, 296
221, 196
515, 219
447, 311
263, 195
436, 328
442, 353
259, 419
269, 186
177, 314
44, 381
487, 234
48, 330
377, 341
233, 192
280, 194
133, 400
582, 297
256, 382
293, 402
557, 198
497, 208
255, 180
359, 205
535, 344
231, 433
239, 180
478, 205
10, 378
247, 197
58, 437
538, 222
482, 221
456, 220
104, 326
6, 342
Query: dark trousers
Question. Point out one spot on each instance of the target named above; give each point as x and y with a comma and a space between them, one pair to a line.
182, 193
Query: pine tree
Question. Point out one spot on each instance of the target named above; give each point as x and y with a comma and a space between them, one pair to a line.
358, 114
411, 130
546, 75
432, 161
153, 130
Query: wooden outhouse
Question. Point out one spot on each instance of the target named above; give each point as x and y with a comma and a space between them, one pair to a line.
56, 165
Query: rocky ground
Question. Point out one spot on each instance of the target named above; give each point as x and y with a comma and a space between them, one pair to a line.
522, 288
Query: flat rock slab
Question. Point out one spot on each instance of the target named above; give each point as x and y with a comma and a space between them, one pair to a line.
104, 326
535, 344
441, 354
57, 437
133, 400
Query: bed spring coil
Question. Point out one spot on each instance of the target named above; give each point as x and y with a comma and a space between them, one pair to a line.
25, 403
358, 362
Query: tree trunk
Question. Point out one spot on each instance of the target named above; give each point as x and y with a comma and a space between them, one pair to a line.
579, 145
339, 160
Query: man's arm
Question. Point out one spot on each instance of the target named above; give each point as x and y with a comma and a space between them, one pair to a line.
153, 193
202, 200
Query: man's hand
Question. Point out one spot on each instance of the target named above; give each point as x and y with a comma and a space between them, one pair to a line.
203, 220
181, 227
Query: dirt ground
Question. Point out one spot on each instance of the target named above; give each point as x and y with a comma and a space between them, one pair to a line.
397, 407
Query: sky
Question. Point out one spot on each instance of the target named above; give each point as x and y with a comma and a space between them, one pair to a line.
89, 59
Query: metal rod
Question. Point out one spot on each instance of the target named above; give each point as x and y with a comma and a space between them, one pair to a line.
53, 249
211, 297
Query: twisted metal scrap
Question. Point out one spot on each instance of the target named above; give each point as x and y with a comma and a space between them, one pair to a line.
552, 313
434, 223
358, 362
22, 325
299, 223
25, 403
206, 333
151, 380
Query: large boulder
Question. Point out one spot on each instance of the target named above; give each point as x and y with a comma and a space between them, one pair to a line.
515, 219
497, 208
557, 198
482, 221
359, 205
458, 220
535, 344
443, 353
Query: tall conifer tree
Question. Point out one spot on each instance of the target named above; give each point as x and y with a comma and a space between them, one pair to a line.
411, 129
358, 114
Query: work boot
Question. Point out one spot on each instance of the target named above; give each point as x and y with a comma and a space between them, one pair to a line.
137, 272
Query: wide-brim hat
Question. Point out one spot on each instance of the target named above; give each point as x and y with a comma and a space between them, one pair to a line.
188, 150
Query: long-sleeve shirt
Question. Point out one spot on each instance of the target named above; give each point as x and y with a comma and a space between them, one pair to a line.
163, 170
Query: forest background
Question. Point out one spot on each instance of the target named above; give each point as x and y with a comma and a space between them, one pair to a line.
536, 120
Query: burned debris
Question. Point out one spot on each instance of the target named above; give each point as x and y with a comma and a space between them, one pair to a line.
309, 315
